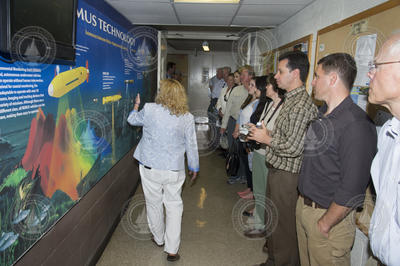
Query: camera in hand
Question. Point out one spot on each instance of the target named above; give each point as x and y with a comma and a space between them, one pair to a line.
252, 144
244, 131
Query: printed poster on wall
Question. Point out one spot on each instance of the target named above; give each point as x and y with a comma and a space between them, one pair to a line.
63, 127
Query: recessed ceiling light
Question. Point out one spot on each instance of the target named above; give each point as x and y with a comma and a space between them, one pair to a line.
208, 1
206, 48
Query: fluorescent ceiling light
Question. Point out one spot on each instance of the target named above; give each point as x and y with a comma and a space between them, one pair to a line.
205, 47
209, 1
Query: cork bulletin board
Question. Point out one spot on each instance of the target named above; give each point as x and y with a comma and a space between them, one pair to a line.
302, 44
377, 24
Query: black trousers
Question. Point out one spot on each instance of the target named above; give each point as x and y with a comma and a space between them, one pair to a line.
244, 165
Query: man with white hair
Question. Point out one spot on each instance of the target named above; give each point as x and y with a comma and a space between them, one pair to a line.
384, 90
225, 73
216, 84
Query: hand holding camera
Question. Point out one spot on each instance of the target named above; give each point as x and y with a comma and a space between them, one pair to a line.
244, 131
261, 135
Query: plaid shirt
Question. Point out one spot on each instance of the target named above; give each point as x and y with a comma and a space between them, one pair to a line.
286, 149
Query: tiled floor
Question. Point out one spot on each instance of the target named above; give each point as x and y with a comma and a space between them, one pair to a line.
210, 228
212, 223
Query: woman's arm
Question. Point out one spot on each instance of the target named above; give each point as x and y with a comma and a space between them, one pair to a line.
136, 118
191, 146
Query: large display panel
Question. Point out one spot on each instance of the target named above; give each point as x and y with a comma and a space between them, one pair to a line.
62, 127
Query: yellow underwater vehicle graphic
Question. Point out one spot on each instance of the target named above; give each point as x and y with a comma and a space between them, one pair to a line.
112, 98
67, 81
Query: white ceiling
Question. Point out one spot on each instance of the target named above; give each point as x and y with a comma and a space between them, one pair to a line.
248, 13
185, 22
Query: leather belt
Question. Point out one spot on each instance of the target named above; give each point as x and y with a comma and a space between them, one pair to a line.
311, 203
148, 167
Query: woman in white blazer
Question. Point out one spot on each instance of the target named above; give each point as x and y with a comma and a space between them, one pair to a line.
168, 133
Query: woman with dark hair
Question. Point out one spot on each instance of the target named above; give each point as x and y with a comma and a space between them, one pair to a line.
236, 79
273, 97
246, 110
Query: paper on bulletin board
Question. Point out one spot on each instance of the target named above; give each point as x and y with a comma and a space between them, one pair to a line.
365, 52
359, 97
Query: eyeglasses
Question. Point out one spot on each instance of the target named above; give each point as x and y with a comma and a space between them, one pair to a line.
374, 65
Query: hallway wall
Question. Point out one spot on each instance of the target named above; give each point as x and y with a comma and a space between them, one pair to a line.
202, 67
316, 16
181, 61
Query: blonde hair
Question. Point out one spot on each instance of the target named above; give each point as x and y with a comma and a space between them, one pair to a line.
249, 69
172, 96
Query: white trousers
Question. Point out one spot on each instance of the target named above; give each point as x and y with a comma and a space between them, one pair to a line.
164, 187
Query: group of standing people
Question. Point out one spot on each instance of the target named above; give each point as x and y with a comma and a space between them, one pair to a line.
319, 161
316, 163
311, 163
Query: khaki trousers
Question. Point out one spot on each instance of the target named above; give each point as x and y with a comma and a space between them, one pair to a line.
282, 243
315, 249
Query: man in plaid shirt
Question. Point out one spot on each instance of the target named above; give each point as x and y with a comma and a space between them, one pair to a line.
284, 156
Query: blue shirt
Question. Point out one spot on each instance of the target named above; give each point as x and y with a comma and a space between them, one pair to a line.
384, 231
218, 85
165, 139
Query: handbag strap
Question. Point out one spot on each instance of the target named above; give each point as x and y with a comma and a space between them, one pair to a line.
273, 113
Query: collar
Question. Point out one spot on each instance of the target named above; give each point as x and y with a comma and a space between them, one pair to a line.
292, 93
393, 128
345, 104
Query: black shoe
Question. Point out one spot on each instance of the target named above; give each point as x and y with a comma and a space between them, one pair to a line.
173, 257
158, 245
265, 248
267, 263
248, 214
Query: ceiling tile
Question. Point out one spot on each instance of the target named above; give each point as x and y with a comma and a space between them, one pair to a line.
282, 2
265, 10
130, 9
153, 20
205, 20
258, 20
251, 12
209, 10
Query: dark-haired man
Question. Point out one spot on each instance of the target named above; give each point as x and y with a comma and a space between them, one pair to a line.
284, 156
171, 67
338, 151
